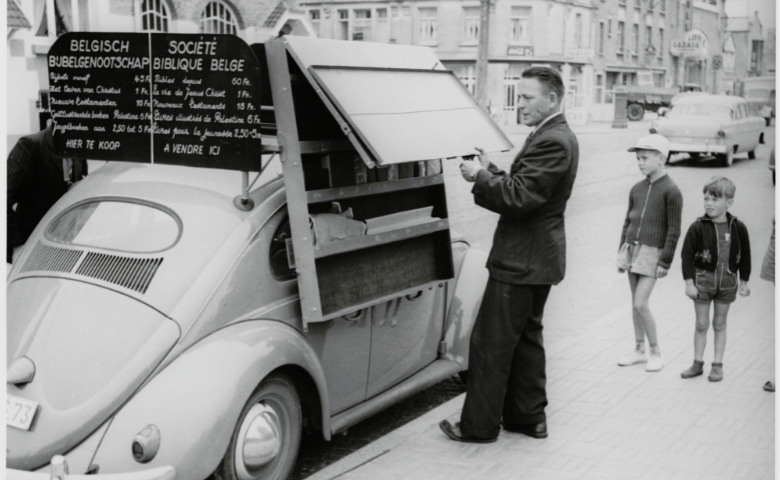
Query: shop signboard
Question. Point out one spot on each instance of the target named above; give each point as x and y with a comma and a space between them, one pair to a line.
156, 98
693, 44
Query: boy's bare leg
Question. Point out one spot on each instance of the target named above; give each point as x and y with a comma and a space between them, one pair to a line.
644, 322
719, 329
702, 325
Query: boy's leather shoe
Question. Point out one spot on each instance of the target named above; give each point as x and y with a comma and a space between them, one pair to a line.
535, 430
453, 431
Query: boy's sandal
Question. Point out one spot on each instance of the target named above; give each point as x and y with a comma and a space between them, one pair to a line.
769, 386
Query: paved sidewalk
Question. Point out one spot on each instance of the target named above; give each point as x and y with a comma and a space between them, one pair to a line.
610, 422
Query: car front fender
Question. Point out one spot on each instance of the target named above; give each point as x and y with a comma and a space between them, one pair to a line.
196, 400
464, 306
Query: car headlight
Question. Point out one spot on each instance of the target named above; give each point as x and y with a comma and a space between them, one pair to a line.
146, 444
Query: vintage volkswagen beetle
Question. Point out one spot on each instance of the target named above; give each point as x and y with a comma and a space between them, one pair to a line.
711, 125
171, 319
155, 329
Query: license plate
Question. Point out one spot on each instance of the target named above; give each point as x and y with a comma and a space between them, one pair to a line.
20, 412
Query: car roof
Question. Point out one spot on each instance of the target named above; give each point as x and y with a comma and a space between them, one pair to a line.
726, 100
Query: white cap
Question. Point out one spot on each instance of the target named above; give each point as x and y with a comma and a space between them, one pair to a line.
655, 142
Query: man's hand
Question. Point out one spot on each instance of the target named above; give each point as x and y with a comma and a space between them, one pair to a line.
660, 272
469, 168
483, 157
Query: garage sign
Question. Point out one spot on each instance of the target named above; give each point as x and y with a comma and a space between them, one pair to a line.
156, 98
693, 44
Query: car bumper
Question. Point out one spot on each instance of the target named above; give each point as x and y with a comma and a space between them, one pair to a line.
159, 473
698, 147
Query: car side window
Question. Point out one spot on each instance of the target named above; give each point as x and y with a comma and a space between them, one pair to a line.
278, 255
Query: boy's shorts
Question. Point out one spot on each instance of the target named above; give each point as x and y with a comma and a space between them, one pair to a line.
639, 259
720, 287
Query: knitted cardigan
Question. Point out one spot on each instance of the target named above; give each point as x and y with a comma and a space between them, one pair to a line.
654, 217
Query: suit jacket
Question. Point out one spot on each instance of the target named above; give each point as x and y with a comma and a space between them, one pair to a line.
529, 245
35, 182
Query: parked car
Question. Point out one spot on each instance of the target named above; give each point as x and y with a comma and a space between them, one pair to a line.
155, 328
168, 319
711, 125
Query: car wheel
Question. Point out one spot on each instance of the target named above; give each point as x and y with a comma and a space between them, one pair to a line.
267, 436
727, 158
635, 112
752, 155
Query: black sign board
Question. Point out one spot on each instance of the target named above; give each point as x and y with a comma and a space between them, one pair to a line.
156, 98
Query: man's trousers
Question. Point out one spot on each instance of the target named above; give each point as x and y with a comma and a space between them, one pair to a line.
506, 361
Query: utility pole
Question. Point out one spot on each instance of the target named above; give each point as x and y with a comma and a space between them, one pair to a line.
482, 53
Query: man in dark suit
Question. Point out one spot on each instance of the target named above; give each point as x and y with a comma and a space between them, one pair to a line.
36, 179
507, 379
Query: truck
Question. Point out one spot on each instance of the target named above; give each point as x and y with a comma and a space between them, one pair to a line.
645, 96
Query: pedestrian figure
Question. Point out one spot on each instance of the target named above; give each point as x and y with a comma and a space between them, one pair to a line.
507, 380
647, 242
715, 264
36, 180
768, 274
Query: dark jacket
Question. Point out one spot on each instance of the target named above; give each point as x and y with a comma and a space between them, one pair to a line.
700, 248
35, 182
529, 245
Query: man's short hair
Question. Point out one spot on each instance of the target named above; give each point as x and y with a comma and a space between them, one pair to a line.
720, 187
548, 77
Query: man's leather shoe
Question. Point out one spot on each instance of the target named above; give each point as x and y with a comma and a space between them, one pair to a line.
453, 431
536, 430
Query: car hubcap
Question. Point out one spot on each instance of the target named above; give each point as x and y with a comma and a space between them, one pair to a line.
259, 441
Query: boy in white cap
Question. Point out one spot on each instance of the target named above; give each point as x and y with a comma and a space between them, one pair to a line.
647, 242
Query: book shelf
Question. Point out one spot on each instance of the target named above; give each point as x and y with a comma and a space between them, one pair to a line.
405, 244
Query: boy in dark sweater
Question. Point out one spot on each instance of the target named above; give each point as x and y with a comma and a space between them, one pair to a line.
647, 242
716, 249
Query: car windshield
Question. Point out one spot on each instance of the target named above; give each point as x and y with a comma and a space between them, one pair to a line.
700, 110
758, 94
116, 225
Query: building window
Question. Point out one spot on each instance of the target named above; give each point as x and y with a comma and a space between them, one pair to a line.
635, 38
218, 18
521, 25
343, 25
648, 36
622, 3
598, 91
361, 28
382, 33
578, 30
315, 16
661, 6
660, 50
428, 28
154, 16
467, 76
602, 34
470, 25
621, 37
650, 5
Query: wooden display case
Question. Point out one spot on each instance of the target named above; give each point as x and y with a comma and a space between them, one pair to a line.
368, 216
